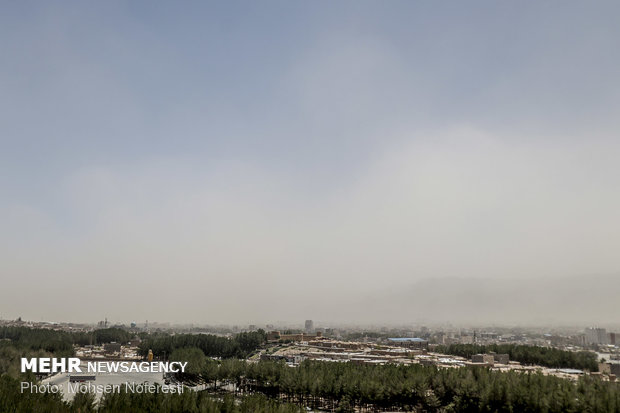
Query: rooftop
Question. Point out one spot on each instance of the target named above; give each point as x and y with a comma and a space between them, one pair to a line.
402, 339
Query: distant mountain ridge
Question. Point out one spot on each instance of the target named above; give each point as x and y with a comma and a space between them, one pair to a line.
576, 300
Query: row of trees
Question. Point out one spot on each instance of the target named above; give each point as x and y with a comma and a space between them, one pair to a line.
58, 342
18, 342
10, 358
12, 400
346, 386
274, 387
105, 335
61, 342
534, 355
239, 346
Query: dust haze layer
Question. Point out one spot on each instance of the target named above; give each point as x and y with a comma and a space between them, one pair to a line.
366, 163
235, 244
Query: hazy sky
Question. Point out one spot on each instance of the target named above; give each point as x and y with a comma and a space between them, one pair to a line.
262, 161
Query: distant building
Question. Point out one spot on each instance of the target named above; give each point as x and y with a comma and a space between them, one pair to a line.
335, 345
135, 342
110, 348
604, 368
579, 340
483, 358
614, 368
295, 359
501, 358
276, 336
409, 342
596, 335
309, 326
612, 339
273, 336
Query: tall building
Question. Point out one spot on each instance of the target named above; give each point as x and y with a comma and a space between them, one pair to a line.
309, 326
596, 335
